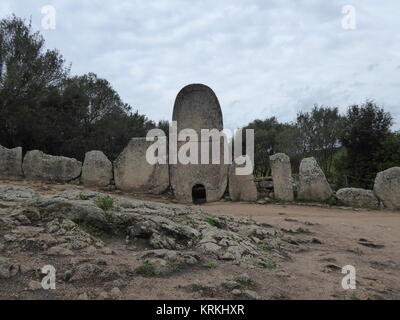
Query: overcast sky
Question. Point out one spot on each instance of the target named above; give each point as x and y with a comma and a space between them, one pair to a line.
262, 58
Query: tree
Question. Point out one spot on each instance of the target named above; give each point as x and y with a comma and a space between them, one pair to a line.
366, 127
320, 131
265, 142
28, 73
389, 155
41, 107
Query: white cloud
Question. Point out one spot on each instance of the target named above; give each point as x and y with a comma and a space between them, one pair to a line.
262, 58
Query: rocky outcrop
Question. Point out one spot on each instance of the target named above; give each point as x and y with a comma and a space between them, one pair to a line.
387, 187
67, 222
97, 170
43, 167
282, 177
313, 185
241, 188
355, 197
133, 173
10, 163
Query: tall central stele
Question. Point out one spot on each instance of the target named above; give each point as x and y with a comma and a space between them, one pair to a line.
197, 107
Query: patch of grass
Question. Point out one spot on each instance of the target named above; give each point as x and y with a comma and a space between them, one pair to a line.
210, 265
271, 265
105, 202
147, 269
176, 266
354, 297
212, 222
264, 246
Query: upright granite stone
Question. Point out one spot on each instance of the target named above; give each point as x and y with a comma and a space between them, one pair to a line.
197, 107
356, 197
11, 163
241, 188
133, 173
43, 167
97, 170
282, 177
312, 182
387, 187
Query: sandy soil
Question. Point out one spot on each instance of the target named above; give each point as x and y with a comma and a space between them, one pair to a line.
327, 239
367, 240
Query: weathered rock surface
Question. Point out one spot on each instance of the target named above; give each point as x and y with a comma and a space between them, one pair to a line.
356, 197
312, 182
11, 163
43, 167
241, 188
197, 107
282, 177
133, 173
387, 187
97, 170
16, 193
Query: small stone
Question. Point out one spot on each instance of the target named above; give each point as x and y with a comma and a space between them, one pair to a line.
90, 250
10, 238
243, 278
59, 251
83, 296
107, 251
103, 296
115, 293
34, 285
251, 295
237, 292
231, 285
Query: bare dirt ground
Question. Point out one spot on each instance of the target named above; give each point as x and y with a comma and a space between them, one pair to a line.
323, 240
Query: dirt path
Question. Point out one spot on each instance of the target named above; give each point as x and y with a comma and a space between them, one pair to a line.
342, 233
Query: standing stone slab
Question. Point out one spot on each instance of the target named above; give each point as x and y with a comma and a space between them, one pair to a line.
133, 173
97, 170
312, 182
356, 197
43, 167
241, 188
197, 107
11, 163
282, 177
387, 187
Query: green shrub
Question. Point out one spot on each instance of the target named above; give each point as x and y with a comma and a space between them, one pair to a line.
147, 269
210, 265
105, 202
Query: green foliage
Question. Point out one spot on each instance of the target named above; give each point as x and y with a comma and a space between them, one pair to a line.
147, 269
105, 202
43, 108
320, 131
176, 266
210, 265
212, 222
388, 155
365, 130
264, 246
265, 143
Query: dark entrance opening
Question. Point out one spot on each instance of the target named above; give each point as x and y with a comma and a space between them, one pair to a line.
199, 194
